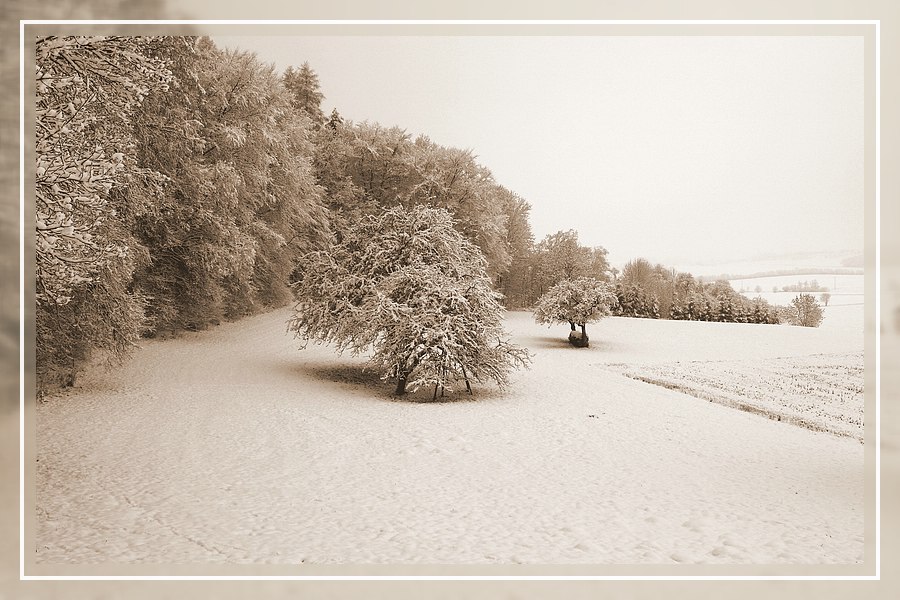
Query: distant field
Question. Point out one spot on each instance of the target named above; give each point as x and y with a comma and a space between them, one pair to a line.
818, 263
836, 284
846, 306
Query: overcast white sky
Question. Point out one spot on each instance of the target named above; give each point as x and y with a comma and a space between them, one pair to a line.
683, 150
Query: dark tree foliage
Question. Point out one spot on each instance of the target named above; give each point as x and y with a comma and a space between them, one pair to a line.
240, 202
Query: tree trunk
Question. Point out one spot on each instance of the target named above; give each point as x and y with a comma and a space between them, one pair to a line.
402, 375
401, 385
579, 341
572, 325
466, 377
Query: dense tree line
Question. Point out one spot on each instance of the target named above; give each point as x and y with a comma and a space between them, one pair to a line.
654, 291
89, 91
175, 188
365, 168
179, 184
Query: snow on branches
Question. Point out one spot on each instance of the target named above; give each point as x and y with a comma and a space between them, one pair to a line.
86, 89
805, 311
576, 302
410, 287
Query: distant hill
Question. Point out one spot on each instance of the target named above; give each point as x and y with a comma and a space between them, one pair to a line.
845, 262
853, 261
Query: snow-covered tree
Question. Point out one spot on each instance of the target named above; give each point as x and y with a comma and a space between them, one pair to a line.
634, 301
576, 302
452, 179
88, 89
241, 202
638, 271
335, 120
559, 257
303, 84
760, 311
805, 311
515, 281
366, 168
408, 286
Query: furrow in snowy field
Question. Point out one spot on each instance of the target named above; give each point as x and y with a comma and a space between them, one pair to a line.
819, 392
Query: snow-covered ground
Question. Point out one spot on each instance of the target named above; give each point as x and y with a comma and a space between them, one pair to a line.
822, 392
233, 446
846, 304
838, 285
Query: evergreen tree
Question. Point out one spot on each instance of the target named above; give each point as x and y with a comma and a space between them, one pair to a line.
708, 310
303, 84
335, 120
726, 312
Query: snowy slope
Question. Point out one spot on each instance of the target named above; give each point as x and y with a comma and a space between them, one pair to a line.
233, 446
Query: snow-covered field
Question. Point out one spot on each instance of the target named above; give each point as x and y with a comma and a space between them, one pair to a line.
838, 285
845, 310
821, 392
233, 446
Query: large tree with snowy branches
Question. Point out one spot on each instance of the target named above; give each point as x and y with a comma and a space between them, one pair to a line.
88, 89
576, 302
408, 286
